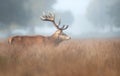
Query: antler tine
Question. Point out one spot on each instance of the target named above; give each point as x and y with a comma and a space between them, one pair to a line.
59, 21
43, 13
64, 27
47, 17
51, 17
43, 17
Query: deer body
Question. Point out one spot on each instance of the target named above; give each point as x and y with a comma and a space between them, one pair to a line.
26, 40
54, 39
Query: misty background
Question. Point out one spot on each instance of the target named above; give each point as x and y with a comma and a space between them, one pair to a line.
86, 18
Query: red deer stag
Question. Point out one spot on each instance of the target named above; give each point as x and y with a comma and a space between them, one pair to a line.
54, 39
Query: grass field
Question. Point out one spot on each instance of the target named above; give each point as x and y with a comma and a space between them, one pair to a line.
82, 57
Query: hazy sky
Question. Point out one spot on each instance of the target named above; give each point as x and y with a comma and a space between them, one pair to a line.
86, 18
78, 8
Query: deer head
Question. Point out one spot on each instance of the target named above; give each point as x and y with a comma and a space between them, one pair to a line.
58, 35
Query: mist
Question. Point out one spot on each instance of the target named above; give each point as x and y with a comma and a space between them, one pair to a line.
86, 18
93, 18
104, 13
20, 16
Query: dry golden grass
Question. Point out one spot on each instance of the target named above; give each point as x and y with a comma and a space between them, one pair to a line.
84, 57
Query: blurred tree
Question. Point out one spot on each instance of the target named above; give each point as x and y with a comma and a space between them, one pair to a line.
104, 13
20, 12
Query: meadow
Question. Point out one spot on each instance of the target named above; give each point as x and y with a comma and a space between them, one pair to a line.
75, 57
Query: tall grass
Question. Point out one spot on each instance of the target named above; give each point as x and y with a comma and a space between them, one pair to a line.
85, 57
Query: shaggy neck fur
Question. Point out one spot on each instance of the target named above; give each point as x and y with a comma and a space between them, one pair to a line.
55, 38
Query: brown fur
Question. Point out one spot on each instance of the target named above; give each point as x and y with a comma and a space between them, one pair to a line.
55, 39
26, 39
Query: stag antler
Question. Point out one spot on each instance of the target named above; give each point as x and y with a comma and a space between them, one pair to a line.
51, 17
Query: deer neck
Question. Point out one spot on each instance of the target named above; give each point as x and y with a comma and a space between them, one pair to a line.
55, 39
